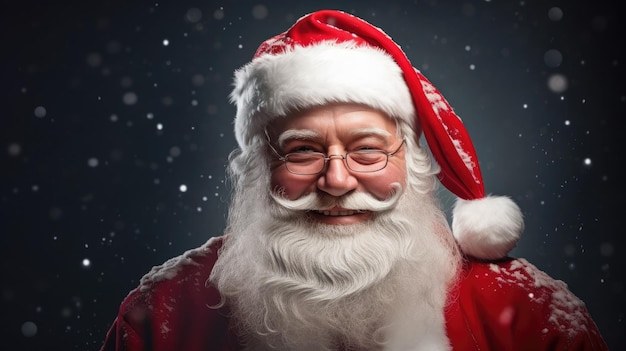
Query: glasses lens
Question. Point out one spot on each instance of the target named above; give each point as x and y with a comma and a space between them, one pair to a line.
305, 163
367, 160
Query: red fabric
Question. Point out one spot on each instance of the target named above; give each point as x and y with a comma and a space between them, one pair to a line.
444, 131
504, 306
512, 305
173, 314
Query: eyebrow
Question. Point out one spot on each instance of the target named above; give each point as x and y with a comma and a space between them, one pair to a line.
297, 134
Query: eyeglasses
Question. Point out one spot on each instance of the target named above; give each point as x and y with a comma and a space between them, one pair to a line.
361, 161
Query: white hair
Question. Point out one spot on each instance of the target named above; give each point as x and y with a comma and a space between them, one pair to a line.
291, 283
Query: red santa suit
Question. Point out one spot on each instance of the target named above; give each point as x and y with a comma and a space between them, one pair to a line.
504, 305
498, 304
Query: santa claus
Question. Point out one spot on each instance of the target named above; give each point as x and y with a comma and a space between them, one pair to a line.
335, 238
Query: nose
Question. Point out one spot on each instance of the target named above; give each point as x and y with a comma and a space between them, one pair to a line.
336, 180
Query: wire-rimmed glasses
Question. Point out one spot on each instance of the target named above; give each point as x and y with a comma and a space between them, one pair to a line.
360, 161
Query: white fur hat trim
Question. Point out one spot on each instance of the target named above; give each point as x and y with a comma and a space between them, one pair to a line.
273, 85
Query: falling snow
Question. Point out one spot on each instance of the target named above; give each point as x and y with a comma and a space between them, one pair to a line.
117, 131
40, 112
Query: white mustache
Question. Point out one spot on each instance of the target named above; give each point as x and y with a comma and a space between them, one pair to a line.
359, 201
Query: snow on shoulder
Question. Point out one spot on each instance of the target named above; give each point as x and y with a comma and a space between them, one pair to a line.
170, 268
567, 312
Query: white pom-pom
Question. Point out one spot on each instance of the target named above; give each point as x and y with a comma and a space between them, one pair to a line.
487, 228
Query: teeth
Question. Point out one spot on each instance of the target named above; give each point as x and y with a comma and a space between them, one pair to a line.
340, 213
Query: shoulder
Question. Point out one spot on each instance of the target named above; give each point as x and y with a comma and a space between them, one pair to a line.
172, 303
512, 274
511, 300
179, 281
517, 282
199, 260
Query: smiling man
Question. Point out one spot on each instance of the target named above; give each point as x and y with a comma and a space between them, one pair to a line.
335, 238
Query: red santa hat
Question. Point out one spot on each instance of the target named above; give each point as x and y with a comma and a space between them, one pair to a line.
331, 56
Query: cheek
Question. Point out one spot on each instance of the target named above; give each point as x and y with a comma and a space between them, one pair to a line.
380, 185
291, 185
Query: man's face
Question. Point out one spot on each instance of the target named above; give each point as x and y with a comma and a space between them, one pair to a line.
310, 266
335, 130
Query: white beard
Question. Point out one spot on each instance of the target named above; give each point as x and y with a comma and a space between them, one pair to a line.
295, 284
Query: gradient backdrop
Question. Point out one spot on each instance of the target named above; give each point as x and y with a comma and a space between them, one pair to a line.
115, 128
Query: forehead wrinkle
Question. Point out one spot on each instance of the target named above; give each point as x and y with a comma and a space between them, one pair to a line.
297, 134
369, 131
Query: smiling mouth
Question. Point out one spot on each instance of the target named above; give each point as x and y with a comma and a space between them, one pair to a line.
335, 213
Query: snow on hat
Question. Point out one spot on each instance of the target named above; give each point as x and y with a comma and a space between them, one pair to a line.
331, 56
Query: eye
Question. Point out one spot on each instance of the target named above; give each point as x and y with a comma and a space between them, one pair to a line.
367, 143
368, 157
365, 148
301, 149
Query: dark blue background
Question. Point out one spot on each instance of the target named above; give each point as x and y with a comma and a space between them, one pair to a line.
87, 173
